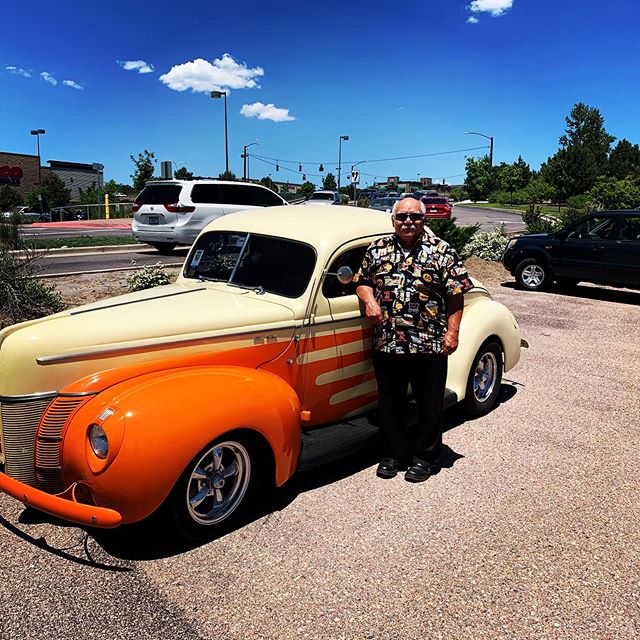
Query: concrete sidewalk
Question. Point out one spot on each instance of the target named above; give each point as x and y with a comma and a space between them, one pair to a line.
113, 223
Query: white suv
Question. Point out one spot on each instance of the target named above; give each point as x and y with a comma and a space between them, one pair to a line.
171, 212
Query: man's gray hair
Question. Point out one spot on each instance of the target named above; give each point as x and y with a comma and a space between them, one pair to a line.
423, 209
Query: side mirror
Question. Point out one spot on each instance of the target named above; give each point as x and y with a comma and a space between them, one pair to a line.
345, 275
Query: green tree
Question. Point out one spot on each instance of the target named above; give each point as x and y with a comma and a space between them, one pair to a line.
570, 172
95, 196
51, 193
306, 189
624, 159
585, 128
523, 170
329, 183
611, 193
9, 198
478, 182
182, 174
538, 191
144, 169
507, 178
227, 175
269, 183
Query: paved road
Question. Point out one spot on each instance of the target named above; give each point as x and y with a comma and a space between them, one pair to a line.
532, 532
488, 219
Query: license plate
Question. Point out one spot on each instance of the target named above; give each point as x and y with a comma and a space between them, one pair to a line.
154, 219
433, 211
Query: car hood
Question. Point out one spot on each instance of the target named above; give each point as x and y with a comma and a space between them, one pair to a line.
170, 321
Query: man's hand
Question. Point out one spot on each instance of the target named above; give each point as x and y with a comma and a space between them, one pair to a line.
373, 312
449, 342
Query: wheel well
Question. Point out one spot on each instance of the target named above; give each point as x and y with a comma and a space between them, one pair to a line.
495, 338
533, 253
259, 444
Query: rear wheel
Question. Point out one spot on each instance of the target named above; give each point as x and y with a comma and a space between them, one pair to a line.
216, 487
483, 384
532, 274
164, 248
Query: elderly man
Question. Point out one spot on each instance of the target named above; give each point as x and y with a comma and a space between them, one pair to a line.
412, 285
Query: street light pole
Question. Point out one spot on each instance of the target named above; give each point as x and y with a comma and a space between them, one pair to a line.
245, 155
340, 158
490, 138
37, 133
216, 95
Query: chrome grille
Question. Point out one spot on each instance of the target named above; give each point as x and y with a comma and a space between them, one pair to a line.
20, 419
48, 451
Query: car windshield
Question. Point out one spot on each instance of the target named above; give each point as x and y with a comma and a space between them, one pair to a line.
248, 260
321, 196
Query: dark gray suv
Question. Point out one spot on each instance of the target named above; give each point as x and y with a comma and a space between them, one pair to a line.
603, 248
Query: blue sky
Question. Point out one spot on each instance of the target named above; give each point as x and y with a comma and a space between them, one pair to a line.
399, 78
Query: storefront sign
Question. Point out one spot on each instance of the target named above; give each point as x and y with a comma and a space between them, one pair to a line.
10, 175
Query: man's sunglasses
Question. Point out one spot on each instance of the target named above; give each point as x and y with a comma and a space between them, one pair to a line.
414, 217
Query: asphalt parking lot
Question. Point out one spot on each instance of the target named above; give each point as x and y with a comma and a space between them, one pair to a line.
532, 531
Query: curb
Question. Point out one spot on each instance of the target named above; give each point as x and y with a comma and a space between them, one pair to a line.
69, 251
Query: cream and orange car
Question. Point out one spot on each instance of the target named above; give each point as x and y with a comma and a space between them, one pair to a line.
193, 395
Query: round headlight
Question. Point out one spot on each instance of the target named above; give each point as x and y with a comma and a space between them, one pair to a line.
98, 441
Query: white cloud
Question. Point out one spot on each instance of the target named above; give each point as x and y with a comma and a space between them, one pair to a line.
472, 20
136, 65
494, 7
202, 76
47, 77
19, 71
266, 112
72, 84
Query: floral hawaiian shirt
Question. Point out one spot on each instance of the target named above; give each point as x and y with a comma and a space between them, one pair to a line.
412, 291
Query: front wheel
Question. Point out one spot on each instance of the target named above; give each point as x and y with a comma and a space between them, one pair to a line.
533, 275
483, 384
215, 488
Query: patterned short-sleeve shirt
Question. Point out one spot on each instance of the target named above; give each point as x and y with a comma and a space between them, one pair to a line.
412, 291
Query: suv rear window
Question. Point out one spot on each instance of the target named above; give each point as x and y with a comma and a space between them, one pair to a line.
321, 196
159, 194
434, 200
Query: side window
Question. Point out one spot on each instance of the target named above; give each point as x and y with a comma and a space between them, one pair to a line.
206, 194
630, 230
350, 258
248, 196
593, 229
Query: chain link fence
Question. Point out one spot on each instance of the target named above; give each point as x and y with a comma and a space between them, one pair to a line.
91, 212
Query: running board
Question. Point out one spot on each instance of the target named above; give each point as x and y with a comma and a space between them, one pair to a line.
331, 442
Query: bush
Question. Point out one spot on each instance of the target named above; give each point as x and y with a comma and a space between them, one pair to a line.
9, 198
577, 206
448, 231
9, 235
536, 223
488, 245
23, 297
148, 277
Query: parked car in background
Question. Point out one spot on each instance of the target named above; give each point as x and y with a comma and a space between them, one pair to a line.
383, 204
603, 248
195, 396
436, 206
167, 213
324, 198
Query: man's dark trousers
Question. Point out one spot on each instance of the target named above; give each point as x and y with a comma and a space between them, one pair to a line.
427, 374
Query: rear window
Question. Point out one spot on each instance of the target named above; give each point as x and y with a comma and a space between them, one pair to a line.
159, 194
247, 195
435, 200
321, 196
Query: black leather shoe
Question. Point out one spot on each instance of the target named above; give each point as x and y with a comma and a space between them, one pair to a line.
388, 468
419, 471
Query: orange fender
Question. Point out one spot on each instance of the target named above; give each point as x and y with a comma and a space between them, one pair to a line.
160, 421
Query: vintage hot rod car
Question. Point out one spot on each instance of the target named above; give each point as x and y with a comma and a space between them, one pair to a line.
191, 395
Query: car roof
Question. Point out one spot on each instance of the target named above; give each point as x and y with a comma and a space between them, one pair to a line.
204, 181
335, 226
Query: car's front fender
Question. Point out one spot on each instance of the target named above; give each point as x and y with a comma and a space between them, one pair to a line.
156, 423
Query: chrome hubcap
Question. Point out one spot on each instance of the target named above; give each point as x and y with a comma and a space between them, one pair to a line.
218, 483
484, 377
533, 275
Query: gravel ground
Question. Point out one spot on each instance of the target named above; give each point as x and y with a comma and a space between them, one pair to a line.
531, 532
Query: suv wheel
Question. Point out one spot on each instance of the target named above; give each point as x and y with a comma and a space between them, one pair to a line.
165, 248
532, 275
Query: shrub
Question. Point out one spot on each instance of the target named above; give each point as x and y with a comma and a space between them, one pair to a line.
23, 297
536, 222
448, 231
148, 277
9, 236
9, 198
577, 206
488, 245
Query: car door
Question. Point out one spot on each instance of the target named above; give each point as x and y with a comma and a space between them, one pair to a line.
623, 267
336, 377
587, 248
